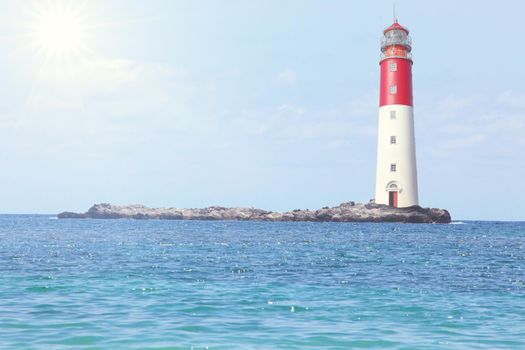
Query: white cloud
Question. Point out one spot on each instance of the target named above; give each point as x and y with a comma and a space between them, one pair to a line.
106, 108
365, 105
512, 99
117, 96
462, 142
69, 86
290, 123
488, 125
291, 111
286, 77
452, 106
7, 120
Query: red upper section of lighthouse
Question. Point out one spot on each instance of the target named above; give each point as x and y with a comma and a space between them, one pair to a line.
396, 82
396, 67
396, 26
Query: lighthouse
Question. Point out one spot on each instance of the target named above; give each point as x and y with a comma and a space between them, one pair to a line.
396, 173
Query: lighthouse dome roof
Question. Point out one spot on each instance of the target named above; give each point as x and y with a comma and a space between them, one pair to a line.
395, 26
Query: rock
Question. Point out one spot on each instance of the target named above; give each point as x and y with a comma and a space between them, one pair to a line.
71, 215
347, 204
345, 212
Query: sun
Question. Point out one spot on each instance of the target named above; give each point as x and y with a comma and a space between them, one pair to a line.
59, 30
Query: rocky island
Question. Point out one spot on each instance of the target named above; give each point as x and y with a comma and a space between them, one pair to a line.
345, 212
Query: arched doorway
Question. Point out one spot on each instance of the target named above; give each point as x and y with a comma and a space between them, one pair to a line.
393, 189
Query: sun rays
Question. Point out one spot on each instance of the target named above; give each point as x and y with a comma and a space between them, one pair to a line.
60, 29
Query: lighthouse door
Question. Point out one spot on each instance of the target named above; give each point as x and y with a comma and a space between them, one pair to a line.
392, 198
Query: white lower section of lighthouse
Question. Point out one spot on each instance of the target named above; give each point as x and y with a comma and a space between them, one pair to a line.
396, 173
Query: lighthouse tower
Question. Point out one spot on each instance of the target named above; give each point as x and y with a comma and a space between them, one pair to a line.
396, 173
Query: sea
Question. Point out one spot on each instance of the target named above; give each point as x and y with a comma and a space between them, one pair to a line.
133, 284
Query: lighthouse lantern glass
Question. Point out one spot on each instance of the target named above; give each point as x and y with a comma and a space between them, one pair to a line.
396, 37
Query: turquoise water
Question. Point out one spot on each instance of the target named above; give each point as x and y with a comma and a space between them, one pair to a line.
123, 284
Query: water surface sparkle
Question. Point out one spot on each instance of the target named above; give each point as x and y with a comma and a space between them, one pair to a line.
125, 284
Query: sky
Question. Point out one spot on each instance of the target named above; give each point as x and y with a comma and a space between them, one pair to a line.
263, 103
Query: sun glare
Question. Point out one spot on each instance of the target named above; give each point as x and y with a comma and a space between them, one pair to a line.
59, 31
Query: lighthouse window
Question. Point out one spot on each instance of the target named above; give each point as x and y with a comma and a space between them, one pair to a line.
393, 89
393, 167
392, 115
393, 140
393, 66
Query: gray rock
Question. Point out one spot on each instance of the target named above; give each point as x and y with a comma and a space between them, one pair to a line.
345, 212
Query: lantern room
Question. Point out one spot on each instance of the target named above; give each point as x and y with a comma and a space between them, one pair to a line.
396, 42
